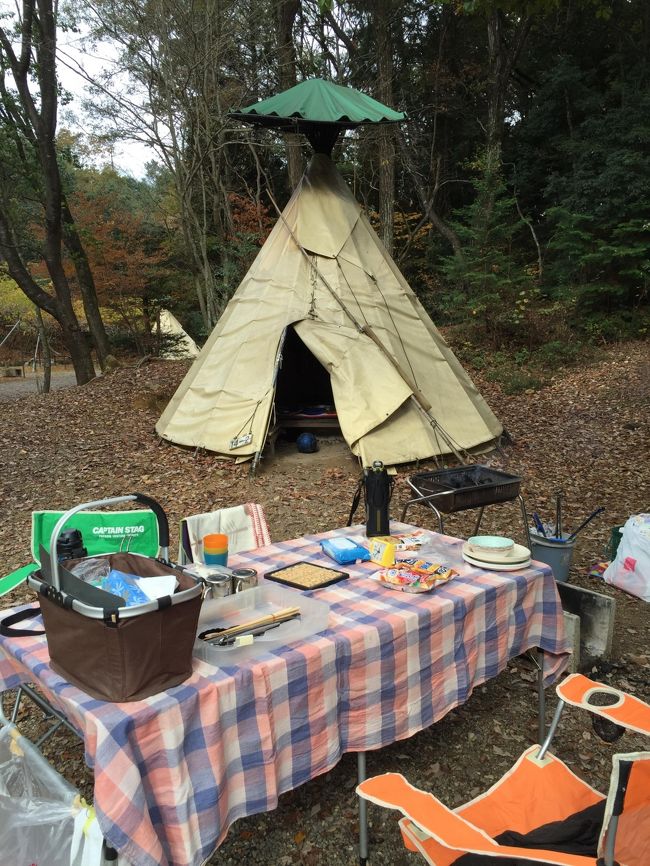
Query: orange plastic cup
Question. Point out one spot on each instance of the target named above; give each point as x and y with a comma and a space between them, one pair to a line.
215, 549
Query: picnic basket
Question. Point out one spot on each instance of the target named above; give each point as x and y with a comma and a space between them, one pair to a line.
118, 653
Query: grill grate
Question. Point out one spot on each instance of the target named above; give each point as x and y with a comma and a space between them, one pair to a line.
465, 487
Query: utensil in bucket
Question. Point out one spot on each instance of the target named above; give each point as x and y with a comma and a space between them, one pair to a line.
554, 552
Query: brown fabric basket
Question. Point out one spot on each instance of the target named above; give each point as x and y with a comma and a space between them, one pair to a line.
131, 658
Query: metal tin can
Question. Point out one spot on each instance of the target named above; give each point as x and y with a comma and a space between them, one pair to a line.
243, 578
217, 585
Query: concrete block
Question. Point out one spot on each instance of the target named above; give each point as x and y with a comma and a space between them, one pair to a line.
12, 372
572, 628
596, 613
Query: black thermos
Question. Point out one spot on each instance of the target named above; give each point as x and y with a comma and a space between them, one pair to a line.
70, 545
378, 488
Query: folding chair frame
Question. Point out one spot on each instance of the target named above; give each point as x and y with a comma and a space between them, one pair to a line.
426, 819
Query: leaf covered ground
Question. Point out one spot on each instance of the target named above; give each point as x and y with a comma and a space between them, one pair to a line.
587, 433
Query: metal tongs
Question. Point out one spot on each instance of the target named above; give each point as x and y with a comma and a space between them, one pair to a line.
254, 627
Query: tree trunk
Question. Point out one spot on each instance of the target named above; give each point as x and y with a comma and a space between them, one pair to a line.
503, 53
38, 60
285, 16
86, 285
59, 307
427, 203
47, 355
381, 20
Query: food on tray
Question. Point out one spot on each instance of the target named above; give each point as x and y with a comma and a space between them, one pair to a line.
421, 577
306, 575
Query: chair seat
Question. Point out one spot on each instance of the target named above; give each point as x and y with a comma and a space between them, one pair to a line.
530, 794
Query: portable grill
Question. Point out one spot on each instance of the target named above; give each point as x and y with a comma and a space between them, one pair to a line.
462, 488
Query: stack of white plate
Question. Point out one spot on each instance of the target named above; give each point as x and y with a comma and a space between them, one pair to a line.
495, 552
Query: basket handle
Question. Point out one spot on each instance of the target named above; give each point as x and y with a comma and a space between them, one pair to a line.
163, 525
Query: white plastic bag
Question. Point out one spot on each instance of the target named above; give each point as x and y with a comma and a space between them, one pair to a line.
630, 570
36, 820
43, 821
87, 840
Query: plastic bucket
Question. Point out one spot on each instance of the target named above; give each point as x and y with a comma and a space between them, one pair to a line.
557, 554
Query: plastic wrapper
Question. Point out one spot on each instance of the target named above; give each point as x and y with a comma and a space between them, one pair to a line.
92, 571
414, 576
125, 585
344, 550
407, 540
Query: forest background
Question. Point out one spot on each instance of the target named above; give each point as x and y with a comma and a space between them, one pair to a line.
515, 199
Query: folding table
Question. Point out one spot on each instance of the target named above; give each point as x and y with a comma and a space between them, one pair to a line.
174, 772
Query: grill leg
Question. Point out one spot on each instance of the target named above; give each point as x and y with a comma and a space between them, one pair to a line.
478, 519
524, 517
441, 528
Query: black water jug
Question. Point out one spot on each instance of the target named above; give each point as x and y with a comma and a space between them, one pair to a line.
70, 545
377, 488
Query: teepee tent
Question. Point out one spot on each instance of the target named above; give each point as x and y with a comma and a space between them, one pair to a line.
184, 345
323, 282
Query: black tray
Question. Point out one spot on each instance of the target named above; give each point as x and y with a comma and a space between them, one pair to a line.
329, 575
465, 487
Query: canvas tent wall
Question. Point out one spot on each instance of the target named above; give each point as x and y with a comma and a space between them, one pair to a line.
228, 393
184, 345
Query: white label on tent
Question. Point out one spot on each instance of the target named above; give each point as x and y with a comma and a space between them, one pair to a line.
239, 441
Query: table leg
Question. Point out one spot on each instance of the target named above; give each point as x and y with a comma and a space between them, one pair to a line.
109, 855
363, 811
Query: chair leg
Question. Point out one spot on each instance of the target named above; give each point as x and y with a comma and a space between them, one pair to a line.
363, 811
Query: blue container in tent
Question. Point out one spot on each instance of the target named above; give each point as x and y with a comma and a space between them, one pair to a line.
307, 443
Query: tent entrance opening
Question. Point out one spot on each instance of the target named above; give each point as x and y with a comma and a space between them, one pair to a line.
303, 395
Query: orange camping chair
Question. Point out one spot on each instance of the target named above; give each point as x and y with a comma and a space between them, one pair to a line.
537, 801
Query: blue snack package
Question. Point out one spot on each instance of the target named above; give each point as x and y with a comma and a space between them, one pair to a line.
344, 550
125, 585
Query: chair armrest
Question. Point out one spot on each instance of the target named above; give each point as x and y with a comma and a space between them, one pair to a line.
15, 578
628, 711
446, 827
392, 791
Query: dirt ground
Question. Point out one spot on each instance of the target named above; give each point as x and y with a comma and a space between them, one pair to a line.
587, 433
15, 388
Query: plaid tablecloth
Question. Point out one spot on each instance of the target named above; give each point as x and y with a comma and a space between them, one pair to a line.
173, 772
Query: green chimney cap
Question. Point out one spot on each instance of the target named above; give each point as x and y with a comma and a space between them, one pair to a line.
317, 104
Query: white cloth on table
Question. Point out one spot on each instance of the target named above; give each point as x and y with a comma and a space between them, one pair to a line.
245, 526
